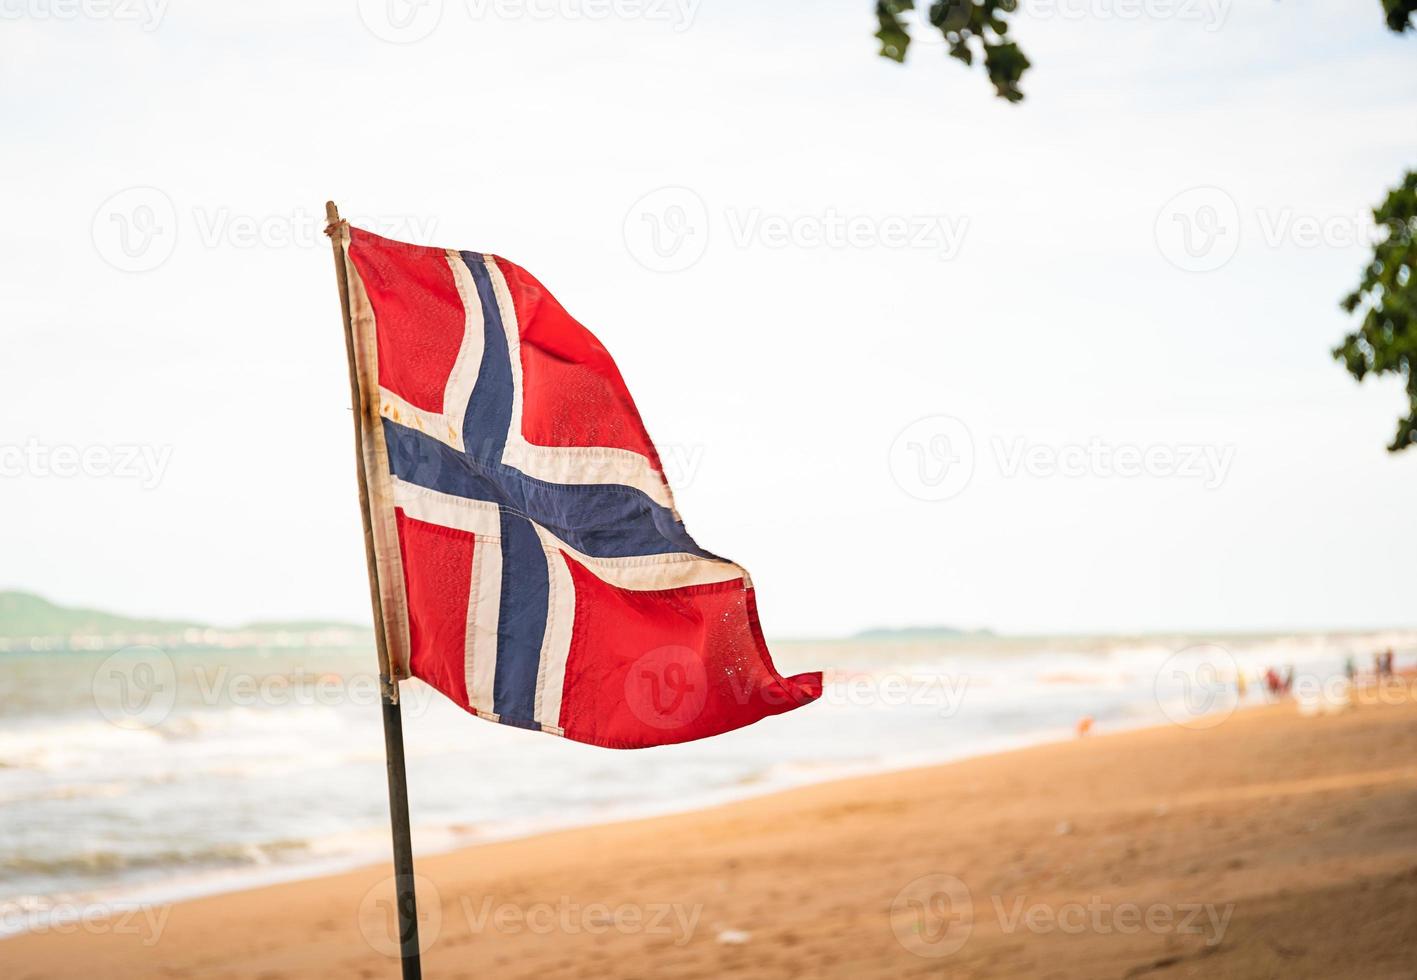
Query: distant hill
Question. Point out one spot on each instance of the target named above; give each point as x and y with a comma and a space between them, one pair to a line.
920, 633
25, 616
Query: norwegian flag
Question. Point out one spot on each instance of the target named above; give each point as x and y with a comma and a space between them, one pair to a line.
532, 566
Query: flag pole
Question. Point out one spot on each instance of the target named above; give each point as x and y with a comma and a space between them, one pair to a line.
388, 681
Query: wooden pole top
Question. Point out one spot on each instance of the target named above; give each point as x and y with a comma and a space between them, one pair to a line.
388, 672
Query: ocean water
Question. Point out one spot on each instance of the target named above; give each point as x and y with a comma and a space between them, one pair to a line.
261, 765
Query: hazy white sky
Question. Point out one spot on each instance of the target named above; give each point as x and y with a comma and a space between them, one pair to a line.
1111, 306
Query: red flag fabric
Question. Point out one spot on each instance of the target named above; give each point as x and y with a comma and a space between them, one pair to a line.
532, 565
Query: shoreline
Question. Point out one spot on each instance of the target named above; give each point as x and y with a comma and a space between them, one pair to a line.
833, 741
219, 882
1277, 817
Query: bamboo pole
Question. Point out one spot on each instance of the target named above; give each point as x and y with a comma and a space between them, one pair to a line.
405, 897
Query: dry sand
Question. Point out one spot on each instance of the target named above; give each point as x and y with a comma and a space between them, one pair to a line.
1269, 846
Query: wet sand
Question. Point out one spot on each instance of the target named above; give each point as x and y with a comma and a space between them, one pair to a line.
1270, 845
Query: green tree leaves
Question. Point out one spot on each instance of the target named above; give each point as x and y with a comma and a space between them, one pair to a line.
1386, 342
968, 27
1399, 13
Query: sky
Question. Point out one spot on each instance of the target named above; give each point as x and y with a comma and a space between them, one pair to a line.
912, 355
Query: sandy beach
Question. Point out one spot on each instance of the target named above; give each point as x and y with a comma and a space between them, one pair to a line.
1269, 845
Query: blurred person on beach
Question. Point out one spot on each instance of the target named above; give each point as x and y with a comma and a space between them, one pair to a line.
1382, 665
1272, 683
1277, 684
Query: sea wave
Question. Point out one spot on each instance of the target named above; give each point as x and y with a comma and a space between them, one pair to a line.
110, 861
223, 796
